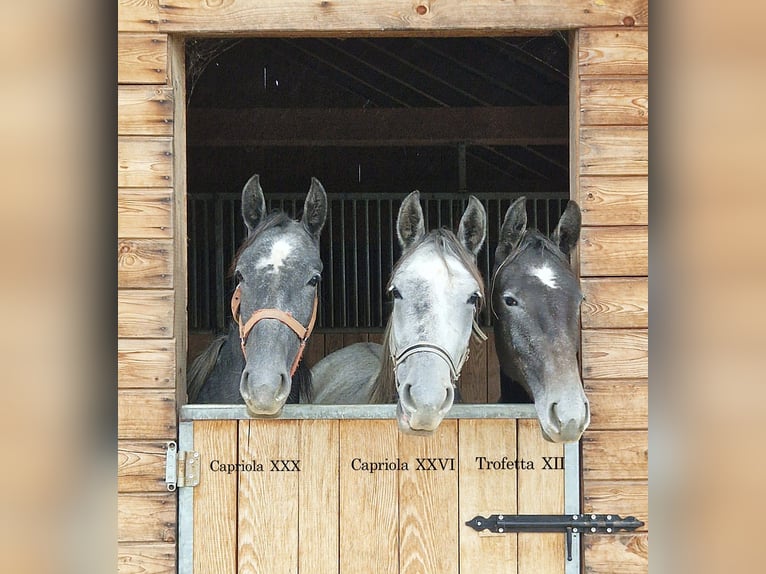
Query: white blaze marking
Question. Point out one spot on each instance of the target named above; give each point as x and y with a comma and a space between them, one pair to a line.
546, 275
279, 252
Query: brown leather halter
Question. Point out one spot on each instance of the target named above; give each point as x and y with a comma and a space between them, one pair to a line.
282, 316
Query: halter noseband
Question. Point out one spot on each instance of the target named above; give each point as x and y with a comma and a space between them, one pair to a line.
282, 316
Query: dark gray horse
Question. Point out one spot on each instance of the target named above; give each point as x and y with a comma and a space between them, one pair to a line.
277, 270
436, 290
536, 299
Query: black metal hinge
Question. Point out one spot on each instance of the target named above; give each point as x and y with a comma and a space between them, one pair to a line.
568, 523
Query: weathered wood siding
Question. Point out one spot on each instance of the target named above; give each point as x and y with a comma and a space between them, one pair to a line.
609, 126
609, 168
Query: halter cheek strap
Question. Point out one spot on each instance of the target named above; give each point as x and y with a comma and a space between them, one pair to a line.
282, 316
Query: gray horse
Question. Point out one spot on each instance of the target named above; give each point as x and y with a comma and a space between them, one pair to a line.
536, 297
437, 290
277, 270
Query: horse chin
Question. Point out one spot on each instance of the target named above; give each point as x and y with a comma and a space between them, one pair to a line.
404, 420
263, 412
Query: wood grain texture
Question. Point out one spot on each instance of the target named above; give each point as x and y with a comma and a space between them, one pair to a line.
615, 455
141, 466
332, 342
614, 150
215, 498
146, 517
142, 58
145, 363
145, 314
145, 213
486, 492
145, 263
614, 102
156, 558
374, 17
473, 378
618, 405
606, 200
268, 507
319, 497
314, 350
144, 161
370, 542
145, 111
626, 498
146, 414
614, 251
428, 513
623, 553
615, 354
540, 492
615, 302
138, 15
614, 52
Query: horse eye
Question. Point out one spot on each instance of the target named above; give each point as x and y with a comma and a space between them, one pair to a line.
238, 277
395, 293
510, 301
313, 281
473, 299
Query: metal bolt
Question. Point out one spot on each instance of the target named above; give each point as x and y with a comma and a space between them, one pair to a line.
608, 516
500, 517
609, 530
575, 517
499, 529
575, 530
592, 528
593, 517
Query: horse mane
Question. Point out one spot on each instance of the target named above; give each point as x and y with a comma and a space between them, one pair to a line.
446, 243
301, 390
202, 366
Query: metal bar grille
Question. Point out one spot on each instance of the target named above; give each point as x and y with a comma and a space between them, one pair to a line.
358, 248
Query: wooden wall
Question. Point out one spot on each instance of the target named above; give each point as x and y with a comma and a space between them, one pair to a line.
609, 117
609, 174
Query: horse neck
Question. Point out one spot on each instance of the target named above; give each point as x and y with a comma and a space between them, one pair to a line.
384, 389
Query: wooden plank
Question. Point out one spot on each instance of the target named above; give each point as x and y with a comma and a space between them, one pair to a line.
615, 102
158, 558
146, 517
144, 161
618, 404
616, 52
145, 263
369, 517
623, 553
486, 491
473, 379
141, 466
626, 498
614, 251
145, 213
615, 455
354, 337
319, 497
614, 150
145, 363
615, 354
452, 17
332, 342
541, 491
215, 498
428, 495
615, 302
138, 15
606, 200
145, 111
314, 350
574, 129
145, 313
146, 414
142, 58
519, 125
493, 370
268, 506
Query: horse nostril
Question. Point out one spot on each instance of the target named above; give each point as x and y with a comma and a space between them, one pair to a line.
405, 397
285, 384
554, 417
450, 398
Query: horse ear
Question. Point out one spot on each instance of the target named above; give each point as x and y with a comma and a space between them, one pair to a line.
253, 203
473, 226
409, 224
513, 228
315, 208
567, 232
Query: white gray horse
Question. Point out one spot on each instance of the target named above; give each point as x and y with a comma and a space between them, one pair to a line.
437, 290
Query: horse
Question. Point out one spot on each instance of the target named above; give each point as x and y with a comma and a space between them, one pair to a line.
437, 290
535, 298
274, 306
